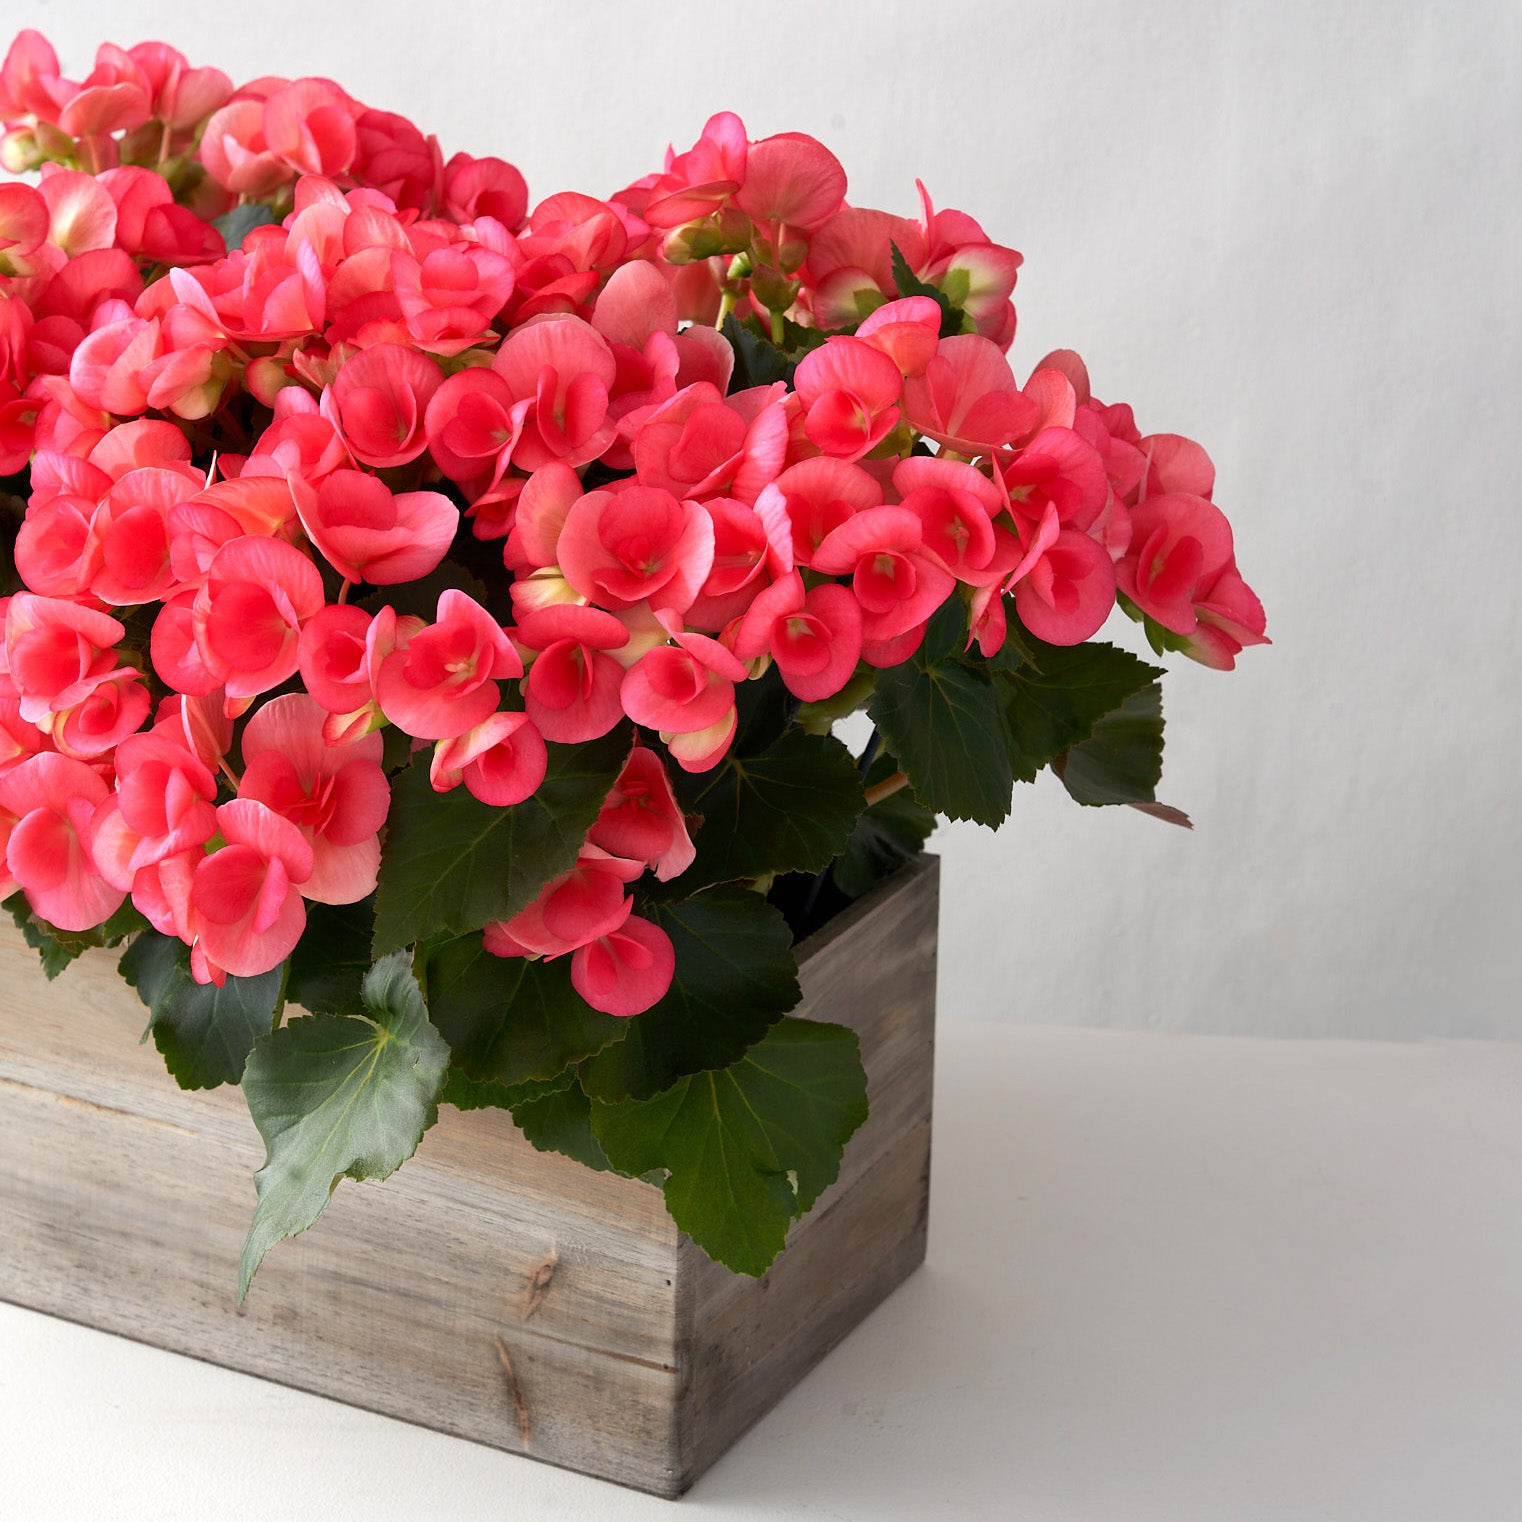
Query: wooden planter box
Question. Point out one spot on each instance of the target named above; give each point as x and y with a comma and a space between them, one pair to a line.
486, 1290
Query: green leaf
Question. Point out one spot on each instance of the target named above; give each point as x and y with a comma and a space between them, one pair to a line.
789, 809
886, 836
338, 1096
203, 1032
237, 224
907, 283
1053, 708
757, 362
466, 1093
560, 1120
511, 1020
58, 948
1122, 760
452, 864
735, 976
751, 1148
940, 716
331, 959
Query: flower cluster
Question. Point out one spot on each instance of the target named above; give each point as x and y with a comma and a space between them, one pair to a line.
264, 349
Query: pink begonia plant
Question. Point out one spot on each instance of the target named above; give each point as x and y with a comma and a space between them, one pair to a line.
373, 510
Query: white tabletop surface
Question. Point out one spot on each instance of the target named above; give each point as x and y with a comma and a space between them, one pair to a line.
1182, 1278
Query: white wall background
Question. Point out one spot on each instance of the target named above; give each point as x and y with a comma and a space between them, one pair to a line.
1289, 228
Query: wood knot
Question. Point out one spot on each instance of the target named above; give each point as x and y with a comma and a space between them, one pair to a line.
538, 1284
520, 1405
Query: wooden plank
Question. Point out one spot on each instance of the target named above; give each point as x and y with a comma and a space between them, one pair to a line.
488, 1290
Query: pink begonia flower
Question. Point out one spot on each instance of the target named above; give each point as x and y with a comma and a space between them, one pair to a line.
246, 911
793, 179
851, 263
24, 220
380, 400
151, 226
56, 652
181, 95
442, 680
1231, 617
107, 368
564, 366
748, 551
627, 971
641, 820
19, 738
815, 637
637, 545
82, 215
573, 687
333, 657
977, 275
473, 425
112, 709
1065, 586
449, 298
248, 616
907, 331
698, 182
686, 692
1179, 543
1176, 464
849, 391
967, 398
200, 724
336, 795
572, 909
54, 799
114, 97
29, 80
501, 761
394, 157
164, 804
896, 582
956, 505
485, 187
702, 443
309, 126
126, 559
1059, 467
543, 505
813, 498
367, 534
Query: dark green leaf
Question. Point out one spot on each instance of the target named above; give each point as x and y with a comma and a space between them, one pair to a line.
789, 809
560, 1120
939, 715
748, 1149
338, 1096
205, 1033
511, 1020
331, 959
886, 836
1050, 709
453, 864
735, 976
757, 362
58, 948
1122, 760
907, 283
237, 224
466, 1093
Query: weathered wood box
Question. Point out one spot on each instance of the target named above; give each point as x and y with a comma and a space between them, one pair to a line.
487, 1290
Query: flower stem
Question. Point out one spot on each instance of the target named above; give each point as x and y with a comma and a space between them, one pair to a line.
886, 788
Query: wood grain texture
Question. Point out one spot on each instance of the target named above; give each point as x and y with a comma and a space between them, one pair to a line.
488, 1290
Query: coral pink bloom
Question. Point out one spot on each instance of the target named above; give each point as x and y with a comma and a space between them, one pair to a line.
485, 187
24, 219
747, 552
246, 909
237, 156
331, 655
56, 652
641, 820
698, 182
501, 761
443, 680
54, 799
114, 97
449, 299
1059, 467
907, 331
626, 971
336, 795
164, 804
309, 126
1176, 464
1179, 544
897, 584
248, 616
686, 692
367, 534
82, 215
18, 738
967, 398
813, 498
791, 179
380, 399
814, 638
182, 96
128, 551
543, 506
29, 79
573, 686
107, 369
702, 442
566, 368
112, 710
473, 425
849, 391
1230, 616
1064, 593
621, 548
572, 909
851, 263
956, 504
